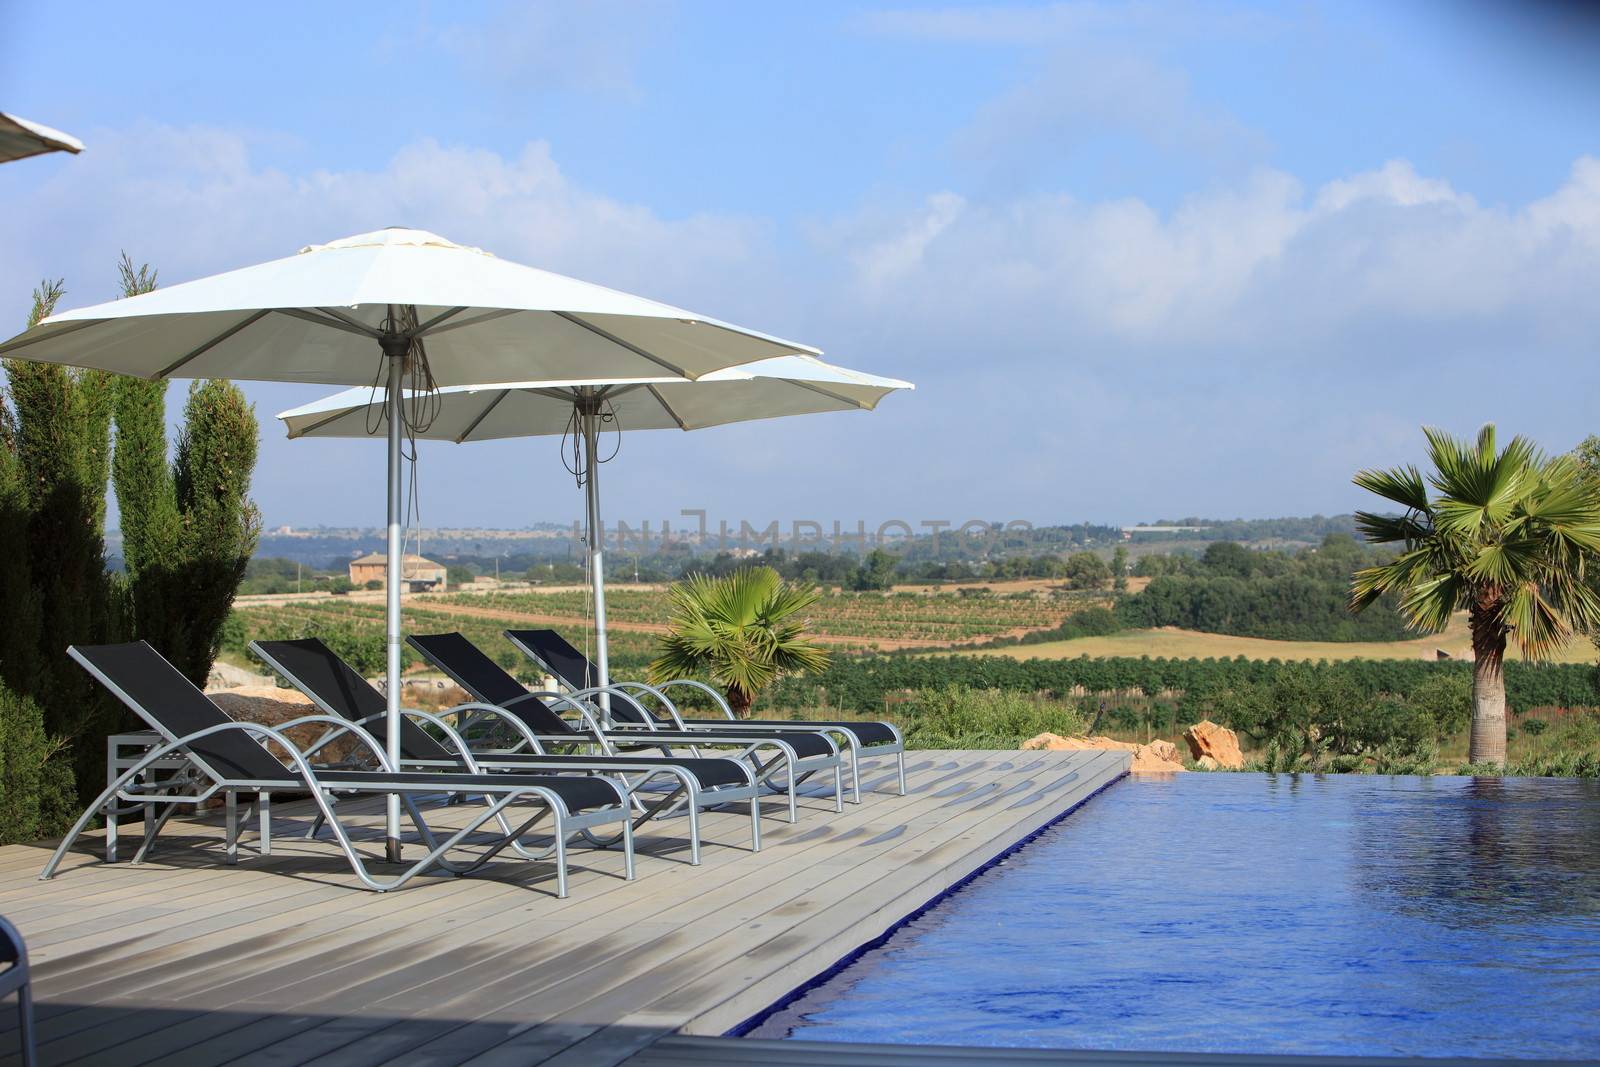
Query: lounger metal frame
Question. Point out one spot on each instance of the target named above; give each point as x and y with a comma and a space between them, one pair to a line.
687, 795
857, 750
303, 778
19, 980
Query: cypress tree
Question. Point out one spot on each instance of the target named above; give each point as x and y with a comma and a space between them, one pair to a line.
57, 440
188, 527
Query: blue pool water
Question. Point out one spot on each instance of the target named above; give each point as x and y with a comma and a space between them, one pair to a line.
1347, 915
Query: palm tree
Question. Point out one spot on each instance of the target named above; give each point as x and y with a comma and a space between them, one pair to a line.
1507, 539
741, 631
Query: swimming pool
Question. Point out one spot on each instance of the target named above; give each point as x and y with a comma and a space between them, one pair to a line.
1346, 914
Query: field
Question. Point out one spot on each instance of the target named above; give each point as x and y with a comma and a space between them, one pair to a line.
1188, 644
847, 622
912, 619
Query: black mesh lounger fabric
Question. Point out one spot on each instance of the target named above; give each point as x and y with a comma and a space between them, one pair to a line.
578, 793
567, 663
708, 772
332, 682
159, 693
486, 680
866, 733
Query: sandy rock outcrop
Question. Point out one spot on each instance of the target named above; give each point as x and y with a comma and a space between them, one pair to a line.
1158, 757
271, 706
1207, 740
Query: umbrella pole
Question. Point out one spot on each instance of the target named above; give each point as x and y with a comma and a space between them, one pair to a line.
396, 570
590, 407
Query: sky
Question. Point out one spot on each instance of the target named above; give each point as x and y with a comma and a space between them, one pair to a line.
1141, 260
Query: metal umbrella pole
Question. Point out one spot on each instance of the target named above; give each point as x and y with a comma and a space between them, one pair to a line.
395, 347
589, 404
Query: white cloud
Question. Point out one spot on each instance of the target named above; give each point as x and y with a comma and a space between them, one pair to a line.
1259, 264
193, 200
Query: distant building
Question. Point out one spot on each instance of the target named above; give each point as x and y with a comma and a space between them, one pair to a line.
421, 575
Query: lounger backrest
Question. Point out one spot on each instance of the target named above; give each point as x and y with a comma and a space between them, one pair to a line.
469, 665
485, 680
318, 672
555, 654
159, 694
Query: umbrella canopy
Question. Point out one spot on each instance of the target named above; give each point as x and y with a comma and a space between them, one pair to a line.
785, 385
315, 317
20, 139
389, 305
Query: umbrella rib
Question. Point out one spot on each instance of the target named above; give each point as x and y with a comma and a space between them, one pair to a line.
830, 394
350, 320
331, 419
431, 323
214, 342
484, 414
667, 407
302, 313
498, 313
30, 337
614, 339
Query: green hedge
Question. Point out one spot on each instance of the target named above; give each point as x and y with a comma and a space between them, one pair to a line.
860, 683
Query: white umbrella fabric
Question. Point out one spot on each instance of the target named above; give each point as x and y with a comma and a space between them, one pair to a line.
20, 139
389, 306
771, 388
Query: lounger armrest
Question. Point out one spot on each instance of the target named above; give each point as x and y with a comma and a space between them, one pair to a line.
494, 711
338, 726
722, 701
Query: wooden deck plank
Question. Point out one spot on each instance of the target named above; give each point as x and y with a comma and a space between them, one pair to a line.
280, 960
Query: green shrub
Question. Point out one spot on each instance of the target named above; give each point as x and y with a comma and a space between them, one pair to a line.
36, 790
958, 716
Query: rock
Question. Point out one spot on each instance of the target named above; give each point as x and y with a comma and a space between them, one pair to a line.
1207, 739
1158, 757
1153, 759
1057, 743
1206, 763
271, 706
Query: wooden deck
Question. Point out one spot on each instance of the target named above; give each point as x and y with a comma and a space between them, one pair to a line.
281, 960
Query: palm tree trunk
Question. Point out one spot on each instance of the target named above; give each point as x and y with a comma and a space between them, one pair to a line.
1488, 744
739, 701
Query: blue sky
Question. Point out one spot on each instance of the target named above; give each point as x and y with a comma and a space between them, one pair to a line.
1141, 259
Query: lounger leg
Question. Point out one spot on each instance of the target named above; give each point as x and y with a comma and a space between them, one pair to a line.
694, 835
149, 843
111, 802
838, 788
25, 1023
900, 758
794, 809
264, 802
627, 848
232, 832
111, 831
855, 773
755, 823
561, 864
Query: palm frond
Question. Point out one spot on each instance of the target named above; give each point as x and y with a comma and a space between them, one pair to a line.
1403, 485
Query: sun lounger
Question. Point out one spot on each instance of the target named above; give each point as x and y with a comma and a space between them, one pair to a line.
16, 979
573, 670
338, 689
233, 758
796, 755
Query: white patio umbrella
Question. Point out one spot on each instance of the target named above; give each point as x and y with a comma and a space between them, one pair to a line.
20, 138
784, 385
383, 306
